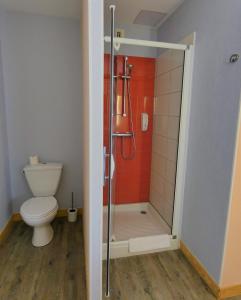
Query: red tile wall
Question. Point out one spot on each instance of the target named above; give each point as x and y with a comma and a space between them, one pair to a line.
132, 177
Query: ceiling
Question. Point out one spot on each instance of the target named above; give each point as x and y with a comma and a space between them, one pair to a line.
128, 10
59, 8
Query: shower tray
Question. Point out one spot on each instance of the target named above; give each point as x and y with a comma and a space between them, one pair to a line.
139, 224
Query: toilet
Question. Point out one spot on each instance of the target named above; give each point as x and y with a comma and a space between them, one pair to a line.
39, 211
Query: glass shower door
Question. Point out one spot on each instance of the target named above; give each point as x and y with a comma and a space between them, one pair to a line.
110, 154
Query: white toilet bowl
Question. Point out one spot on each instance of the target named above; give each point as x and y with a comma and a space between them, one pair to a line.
39, 212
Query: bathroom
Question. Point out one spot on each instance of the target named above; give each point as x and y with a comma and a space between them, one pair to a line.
130, 201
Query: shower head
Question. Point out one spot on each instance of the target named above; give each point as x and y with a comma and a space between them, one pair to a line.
129, 66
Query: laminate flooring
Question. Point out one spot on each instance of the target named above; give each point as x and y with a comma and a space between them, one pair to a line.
57, 271
162, 276
53, 272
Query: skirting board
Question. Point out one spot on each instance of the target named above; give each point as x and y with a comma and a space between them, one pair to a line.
219, 292
230, 291
200, 269
16, 217
62, 212
4, 233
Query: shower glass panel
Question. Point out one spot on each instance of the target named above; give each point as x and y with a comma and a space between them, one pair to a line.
109, 143
107, 139
165, 134
142, 111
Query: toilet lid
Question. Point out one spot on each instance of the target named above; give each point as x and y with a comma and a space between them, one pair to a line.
39, 206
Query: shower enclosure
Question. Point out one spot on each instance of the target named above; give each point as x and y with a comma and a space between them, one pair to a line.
145, 103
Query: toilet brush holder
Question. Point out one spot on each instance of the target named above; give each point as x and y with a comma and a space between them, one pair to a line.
72, 214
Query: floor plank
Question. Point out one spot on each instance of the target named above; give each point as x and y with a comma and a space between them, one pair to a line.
162, 276
53, 272
56, 271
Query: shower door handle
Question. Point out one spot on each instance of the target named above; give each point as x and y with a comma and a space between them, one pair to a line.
112, 166
105, 155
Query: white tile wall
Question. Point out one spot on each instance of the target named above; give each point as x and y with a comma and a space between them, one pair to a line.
170, 171
174, 104
176, 79
163, 83
169, 60
173, 127
172, 149
159, 164
168, 86
158, 182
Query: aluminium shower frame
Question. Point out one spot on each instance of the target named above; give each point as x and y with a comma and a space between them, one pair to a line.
184, 118
183, 129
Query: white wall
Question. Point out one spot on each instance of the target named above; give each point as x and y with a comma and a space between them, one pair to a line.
43, 95
168, 87
93, 70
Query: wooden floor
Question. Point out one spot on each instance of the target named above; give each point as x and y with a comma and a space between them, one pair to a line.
163, 276
56, 271
53, 272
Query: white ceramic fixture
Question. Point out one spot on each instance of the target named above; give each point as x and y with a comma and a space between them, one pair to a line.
39, 212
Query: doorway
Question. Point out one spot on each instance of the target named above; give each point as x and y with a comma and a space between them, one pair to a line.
146, 112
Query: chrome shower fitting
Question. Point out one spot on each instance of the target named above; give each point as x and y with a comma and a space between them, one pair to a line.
126, 76
124, 88
130, 66
128, 105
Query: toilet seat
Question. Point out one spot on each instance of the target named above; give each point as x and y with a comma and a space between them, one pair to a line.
39, 207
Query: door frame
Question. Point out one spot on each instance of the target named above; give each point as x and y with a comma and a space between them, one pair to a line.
182, 155
92, 47
184, 122
181, 175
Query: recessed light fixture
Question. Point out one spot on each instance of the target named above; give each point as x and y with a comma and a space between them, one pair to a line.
149, 18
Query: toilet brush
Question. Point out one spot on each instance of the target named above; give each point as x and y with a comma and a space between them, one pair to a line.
72, 212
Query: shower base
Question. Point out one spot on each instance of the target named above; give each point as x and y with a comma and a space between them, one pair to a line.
133, 221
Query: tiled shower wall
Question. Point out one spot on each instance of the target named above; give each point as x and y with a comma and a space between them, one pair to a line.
132, 176
168, 86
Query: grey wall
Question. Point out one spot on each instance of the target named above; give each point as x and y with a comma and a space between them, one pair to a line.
214, 113
5, 201
42, 76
